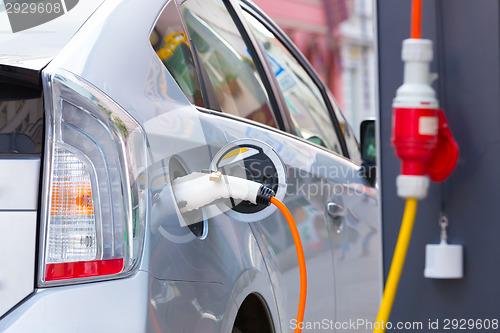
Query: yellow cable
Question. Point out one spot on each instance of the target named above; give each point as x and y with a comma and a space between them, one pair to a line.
398, 261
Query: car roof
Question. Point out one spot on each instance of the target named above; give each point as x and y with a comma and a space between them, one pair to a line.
35, 47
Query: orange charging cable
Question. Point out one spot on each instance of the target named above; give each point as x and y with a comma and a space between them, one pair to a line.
300, 257
416, 19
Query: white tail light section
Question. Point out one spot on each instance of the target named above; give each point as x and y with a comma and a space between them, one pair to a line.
94, 185
72, 229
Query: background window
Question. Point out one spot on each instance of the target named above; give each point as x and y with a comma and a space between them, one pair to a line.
225, 59
307, 108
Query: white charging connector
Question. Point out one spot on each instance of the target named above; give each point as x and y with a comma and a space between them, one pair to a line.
199, 189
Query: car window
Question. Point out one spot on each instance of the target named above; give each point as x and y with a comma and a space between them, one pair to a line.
224, 58
21, 121
170, 42
307, 108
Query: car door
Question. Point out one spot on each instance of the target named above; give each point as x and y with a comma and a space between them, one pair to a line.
350, 205
244, 92
240, 103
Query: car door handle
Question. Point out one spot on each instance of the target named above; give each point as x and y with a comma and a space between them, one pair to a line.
336, 216
335, 210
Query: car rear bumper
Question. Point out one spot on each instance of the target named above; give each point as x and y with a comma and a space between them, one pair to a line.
110, 306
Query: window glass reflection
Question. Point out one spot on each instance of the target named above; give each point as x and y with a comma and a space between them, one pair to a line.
224, 57
307, 108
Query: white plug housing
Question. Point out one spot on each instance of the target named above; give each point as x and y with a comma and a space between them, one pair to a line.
198, 189
412, 186
443, 261
416, 91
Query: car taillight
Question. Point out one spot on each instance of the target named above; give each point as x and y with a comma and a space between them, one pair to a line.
94, 199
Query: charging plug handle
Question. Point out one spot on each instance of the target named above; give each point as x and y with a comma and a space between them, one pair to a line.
199, 189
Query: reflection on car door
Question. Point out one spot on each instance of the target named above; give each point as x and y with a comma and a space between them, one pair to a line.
350, 206
225, 56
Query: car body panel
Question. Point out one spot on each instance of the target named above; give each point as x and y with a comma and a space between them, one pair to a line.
18, 226
343, 265
197, 284
19, 183
17, 256
82, 308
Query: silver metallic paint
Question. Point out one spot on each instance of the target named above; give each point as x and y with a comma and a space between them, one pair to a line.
185, 282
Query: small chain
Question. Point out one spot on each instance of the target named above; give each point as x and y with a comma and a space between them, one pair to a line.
443, 223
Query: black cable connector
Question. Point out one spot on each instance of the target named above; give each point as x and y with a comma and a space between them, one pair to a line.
264, 195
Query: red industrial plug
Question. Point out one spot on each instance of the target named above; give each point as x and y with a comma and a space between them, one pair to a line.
420, 133
445, 156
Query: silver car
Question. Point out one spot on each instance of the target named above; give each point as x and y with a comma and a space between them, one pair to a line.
103, 107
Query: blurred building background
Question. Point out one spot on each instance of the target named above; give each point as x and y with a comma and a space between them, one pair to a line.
338, 38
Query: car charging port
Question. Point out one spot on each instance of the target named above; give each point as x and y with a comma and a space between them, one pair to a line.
206, 189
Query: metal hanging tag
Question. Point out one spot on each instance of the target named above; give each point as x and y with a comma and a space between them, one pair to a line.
443, 223
443, 260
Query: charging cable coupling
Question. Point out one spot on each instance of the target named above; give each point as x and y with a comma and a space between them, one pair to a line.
200, 189
421, 135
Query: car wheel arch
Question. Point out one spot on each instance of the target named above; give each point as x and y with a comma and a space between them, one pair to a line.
254, 315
